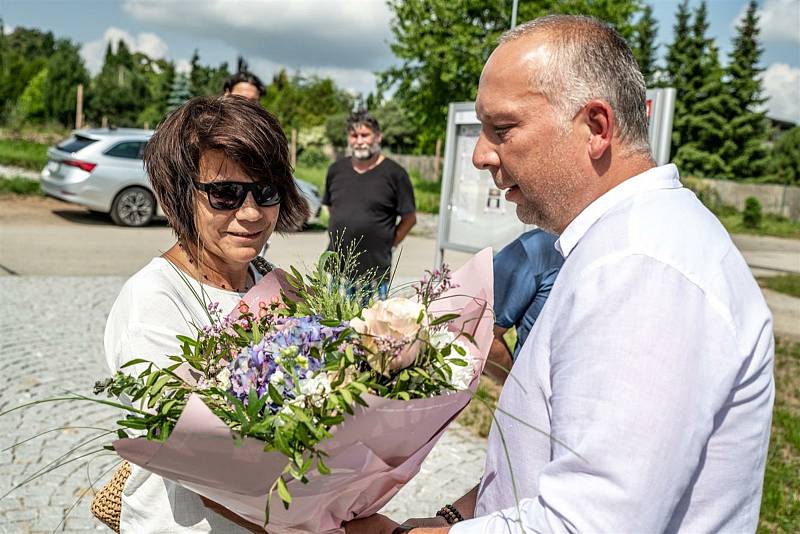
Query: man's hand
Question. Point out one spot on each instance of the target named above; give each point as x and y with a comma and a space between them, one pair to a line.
374, 524
500, 360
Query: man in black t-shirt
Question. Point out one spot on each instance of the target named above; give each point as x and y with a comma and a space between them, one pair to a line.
365, 195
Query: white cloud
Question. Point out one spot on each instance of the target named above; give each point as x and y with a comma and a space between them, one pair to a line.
782, 87
8, 30
779, 21
353, 80
183, 66
148, 43
298, 33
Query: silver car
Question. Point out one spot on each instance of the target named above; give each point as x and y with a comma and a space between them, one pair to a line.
102, 169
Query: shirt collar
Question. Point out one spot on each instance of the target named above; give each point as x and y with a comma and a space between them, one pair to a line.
664, 177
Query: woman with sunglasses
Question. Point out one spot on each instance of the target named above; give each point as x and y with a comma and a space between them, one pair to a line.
220, 171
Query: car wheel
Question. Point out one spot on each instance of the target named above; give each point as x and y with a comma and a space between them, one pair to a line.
134, 206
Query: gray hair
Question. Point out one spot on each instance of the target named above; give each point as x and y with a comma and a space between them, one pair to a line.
588, 59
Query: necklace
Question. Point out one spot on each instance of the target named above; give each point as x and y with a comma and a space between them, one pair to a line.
249, 281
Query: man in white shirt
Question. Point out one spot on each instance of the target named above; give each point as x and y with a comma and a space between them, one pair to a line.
641, 401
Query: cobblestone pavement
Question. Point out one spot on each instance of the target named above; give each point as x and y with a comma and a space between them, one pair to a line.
51, 339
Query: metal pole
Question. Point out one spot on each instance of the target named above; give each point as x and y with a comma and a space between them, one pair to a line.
514, 13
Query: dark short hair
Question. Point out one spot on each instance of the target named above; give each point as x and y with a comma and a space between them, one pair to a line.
245, 132
244, 76
363, 118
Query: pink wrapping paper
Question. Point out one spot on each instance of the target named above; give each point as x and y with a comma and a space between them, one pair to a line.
372, 454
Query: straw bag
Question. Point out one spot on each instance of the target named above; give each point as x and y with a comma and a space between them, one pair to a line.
107, 503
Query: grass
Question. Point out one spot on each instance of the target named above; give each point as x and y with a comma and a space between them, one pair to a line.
787, 283
771, 225
780, 502
426, 193
19, 186
21, 153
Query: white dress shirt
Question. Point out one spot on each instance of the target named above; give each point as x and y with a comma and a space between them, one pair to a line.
648, 376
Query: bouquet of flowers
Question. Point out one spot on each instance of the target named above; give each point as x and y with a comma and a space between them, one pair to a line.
310, 394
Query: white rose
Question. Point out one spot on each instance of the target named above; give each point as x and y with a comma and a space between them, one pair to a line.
461, 376
395, 319
441, 338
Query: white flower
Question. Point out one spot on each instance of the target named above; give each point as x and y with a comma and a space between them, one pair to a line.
224, 378
277, 376
315, 388
461, 376
395, 319
441, 338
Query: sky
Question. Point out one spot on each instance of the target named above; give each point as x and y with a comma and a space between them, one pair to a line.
347, 40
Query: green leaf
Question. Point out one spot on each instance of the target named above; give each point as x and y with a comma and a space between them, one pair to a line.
283, 493
135, 361
322, 468
274, 395
446, 318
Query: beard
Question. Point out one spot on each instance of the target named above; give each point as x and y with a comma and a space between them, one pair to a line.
365, 152
550, 191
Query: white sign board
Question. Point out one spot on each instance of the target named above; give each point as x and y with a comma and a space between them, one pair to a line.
473, 213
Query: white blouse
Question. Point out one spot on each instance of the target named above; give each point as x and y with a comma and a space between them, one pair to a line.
155, 305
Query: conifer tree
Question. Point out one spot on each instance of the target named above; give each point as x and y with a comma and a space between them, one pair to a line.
747, 153
180, 92
678, 72
644, 47
700, 130
707, 130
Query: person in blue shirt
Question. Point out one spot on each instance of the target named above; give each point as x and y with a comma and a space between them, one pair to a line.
524, 272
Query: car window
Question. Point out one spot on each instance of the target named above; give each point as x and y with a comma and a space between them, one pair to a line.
127, 149
75, 143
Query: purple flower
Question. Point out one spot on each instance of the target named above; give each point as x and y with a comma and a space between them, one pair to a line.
293, 347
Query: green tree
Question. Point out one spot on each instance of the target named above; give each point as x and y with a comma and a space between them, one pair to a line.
23, 55
644, 45
304, 101
399, 134
119, 92
700, 131
785, 160
747, 154
707, 130
179, 93
206, 80
681, 54
442, 46
159, 75
31, 104
65, 70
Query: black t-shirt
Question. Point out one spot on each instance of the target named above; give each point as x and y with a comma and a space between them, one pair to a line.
366, 206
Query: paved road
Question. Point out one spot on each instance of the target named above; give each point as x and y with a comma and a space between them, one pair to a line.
51, 332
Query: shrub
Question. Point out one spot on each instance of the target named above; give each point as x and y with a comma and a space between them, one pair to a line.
751, 217
313, 157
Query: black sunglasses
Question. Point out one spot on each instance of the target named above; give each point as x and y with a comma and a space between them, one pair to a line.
231, 195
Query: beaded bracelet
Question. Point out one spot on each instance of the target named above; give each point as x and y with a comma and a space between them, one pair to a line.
450, 514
